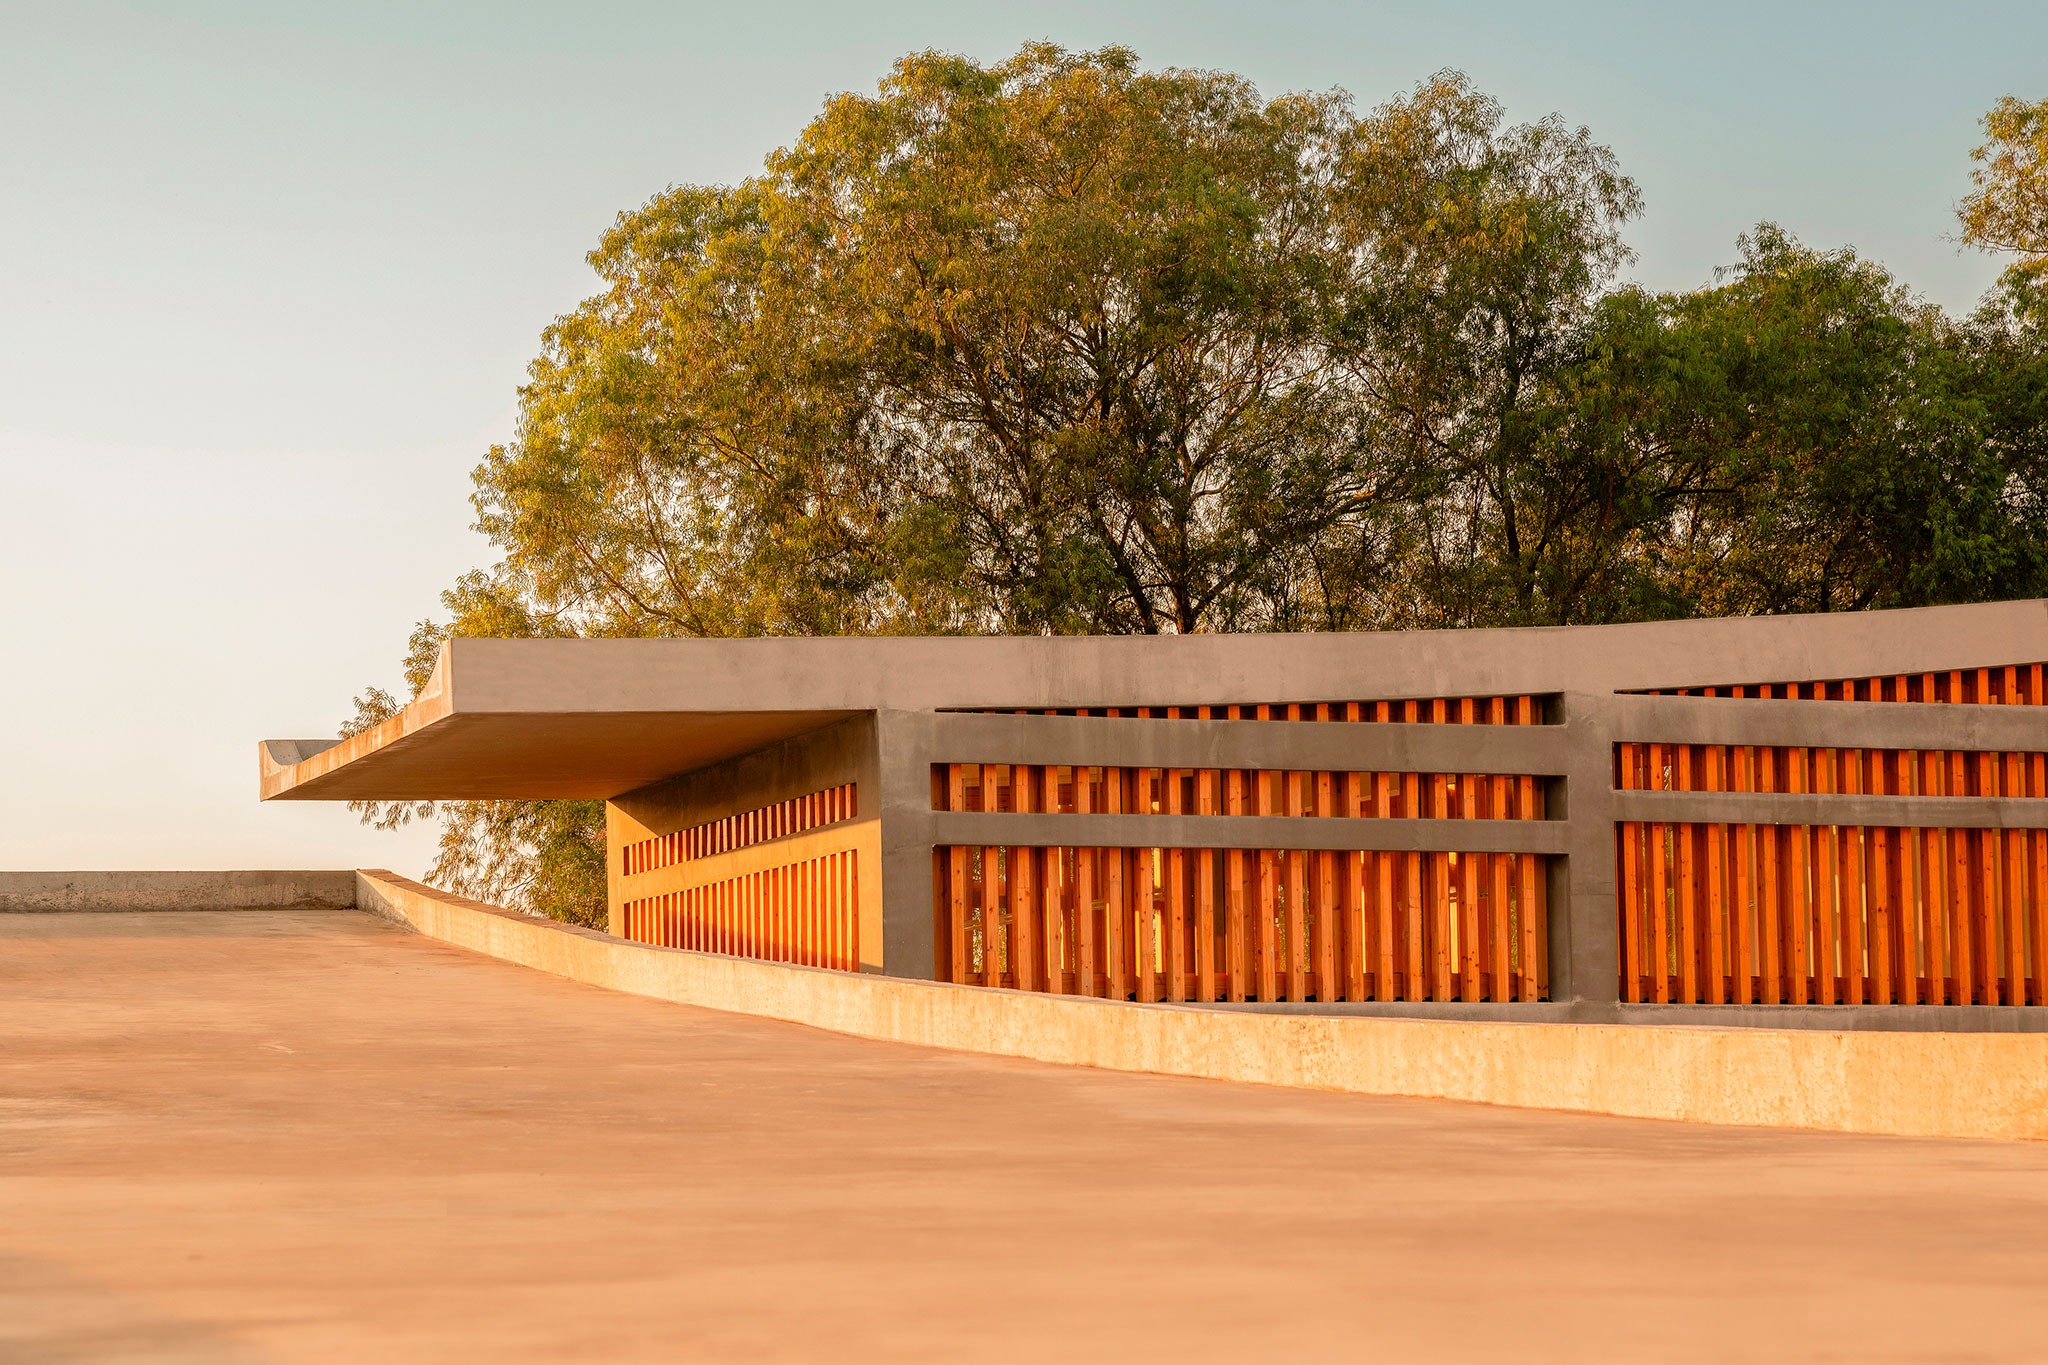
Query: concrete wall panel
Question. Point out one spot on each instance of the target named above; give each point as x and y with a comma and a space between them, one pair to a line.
1969, 1085
33, 892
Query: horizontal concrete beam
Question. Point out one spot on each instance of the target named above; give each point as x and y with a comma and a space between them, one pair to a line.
1976, 1085
1302, 745
37, 892
1804, 808
1004, 829
1789, 723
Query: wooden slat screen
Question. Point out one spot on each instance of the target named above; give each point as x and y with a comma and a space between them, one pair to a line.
805, 913
742, 829
1244, 924
1785, 914
1210, 924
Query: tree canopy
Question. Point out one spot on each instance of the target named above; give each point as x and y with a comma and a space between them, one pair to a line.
1068, 345
2008, 211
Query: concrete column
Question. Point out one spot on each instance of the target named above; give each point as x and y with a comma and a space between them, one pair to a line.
1584, 961
903, 753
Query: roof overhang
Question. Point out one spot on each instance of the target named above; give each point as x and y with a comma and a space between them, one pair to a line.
494, 722
574, 718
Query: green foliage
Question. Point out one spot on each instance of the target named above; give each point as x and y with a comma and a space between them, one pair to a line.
546, 857
1065, 345
2009, 209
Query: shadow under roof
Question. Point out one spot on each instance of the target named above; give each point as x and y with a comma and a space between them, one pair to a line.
573, 718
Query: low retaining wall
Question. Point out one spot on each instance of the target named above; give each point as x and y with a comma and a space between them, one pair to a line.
1974, 1085
39, 892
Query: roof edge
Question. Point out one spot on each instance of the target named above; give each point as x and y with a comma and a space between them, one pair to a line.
286, 765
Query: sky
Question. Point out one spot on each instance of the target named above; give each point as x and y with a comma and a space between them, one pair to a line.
270, 275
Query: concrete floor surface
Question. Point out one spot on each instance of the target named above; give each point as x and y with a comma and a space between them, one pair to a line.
259, 1136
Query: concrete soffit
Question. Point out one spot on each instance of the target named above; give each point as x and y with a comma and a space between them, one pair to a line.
591, 718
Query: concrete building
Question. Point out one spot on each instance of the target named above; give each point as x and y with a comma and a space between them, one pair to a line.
1837, 820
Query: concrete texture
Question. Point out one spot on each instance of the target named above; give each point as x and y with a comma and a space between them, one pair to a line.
34, 892
309, 1136
835, 755
595, 718
1983, 1085
709, 727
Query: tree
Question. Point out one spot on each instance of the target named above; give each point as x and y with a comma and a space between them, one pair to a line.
1038, 347
543, 856
2009, 209
1064, 345
1475, 254
1844, 444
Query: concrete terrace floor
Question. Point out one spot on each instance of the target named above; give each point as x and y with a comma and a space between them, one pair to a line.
312, 1136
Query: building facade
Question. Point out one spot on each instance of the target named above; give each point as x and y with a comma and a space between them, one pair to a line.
1832, 820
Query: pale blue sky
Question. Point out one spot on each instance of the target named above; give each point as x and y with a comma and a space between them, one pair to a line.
270, 273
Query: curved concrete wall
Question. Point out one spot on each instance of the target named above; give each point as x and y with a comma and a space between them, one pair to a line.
1974, 1085
34, 892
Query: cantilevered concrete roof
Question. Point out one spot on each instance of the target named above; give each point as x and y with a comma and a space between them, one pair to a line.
594, 718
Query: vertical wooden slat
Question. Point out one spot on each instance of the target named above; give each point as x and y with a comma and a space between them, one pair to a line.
1359, 951
1323, 926
1686, 847
2037, 842
1745, 906
1146, 883
1880, 875
1267, 906
1024, 887
1827, 884
1500, 928
1176, 928
1421, 951
1385, 969
1085, 892
1471, 917
1236, 949
1986, 879
1961, 897
835, 874
1294, 903
956, 872
1903, 893
1533, 932
1054, 893
1716, 908
1205, 891
1658, 909
1787, 861
1117, 896
1850, 888
992, 877
1442, 922
1933, 881
2014, 845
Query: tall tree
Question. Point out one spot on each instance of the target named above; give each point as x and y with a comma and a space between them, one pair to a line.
1475, 254
2008, 211
1852, 446
1062, 344
1032, 347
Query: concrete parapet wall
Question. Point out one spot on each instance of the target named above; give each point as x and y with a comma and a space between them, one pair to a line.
1968, 1085
34, 892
